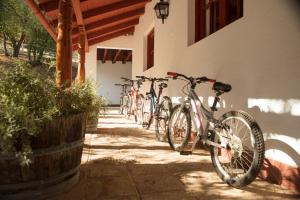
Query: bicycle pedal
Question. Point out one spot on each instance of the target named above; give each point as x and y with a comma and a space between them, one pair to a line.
185, 153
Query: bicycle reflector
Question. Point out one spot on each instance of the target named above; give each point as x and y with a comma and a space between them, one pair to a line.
172, 73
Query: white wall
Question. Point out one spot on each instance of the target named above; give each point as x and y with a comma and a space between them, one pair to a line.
108, 74
123, 42
257, 54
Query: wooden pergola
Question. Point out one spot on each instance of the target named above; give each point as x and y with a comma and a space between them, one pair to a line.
78, 24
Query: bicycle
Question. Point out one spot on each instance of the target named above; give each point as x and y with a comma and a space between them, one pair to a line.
235, 140
155, 109
135, 100
123, 98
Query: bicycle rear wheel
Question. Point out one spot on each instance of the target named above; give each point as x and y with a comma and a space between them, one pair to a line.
240, 162
179, 128
162, 118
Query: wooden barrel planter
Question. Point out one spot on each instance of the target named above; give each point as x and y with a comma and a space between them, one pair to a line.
55, 162
92, 125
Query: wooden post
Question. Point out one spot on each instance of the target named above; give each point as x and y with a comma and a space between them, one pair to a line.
81, 60
64, 44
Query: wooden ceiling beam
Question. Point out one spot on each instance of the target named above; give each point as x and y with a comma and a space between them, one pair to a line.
113, 19
109, 30
111, 8
108, 37
78, 14
128, 56
104, 55
118, 53
51, 5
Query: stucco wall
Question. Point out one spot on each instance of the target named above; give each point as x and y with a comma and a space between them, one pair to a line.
258, 54
108, 74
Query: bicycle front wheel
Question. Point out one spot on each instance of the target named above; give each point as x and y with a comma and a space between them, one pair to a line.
240, 162
147, 112
139, 108
179, 128
162, 118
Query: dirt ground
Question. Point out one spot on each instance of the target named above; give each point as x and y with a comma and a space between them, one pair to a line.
123, 161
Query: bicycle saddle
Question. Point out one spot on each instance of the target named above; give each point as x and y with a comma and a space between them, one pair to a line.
221, 87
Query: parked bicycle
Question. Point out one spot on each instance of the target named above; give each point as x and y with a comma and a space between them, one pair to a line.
153, 108
135, 99
236, 140
123, 98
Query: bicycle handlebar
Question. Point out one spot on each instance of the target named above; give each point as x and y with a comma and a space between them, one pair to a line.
202, 79
152, 79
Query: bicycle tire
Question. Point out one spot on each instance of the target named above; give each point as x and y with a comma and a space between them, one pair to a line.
147, 113
163, 115
170, 131
139, 109
251, 168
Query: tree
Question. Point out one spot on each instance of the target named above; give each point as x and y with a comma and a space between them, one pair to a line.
38, 42
14, 17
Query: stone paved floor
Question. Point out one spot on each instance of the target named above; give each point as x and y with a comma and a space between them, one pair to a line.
123, 161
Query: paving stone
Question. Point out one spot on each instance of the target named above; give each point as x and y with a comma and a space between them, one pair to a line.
173, 195
124, 162
149, 184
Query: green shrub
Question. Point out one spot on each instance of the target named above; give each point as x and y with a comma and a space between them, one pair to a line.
28, 99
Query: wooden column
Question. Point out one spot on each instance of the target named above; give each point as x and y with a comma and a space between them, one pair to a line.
81, 60
64, 44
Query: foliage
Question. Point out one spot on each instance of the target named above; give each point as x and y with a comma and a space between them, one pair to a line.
29, 99
14, 21
38, 42
26, 101
18, 25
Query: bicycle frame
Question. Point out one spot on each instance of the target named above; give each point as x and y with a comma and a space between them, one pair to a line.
196, 112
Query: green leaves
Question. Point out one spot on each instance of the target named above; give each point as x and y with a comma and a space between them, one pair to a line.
29, 99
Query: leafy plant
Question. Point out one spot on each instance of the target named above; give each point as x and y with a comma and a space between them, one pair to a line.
29, 99
26, 101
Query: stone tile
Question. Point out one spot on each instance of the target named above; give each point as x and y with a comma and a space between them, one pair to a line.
100, 170
146, 169
149, 184
173, 195
115, 187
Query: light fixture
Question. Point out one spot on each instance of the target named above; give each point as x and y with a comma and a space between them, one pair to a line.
162, 10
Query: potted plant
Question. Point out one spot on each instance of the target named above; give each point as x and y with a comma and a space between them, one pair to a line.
41, 132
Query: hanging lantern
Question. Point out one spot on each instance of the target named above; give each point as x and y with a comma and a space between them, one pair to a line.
162, 10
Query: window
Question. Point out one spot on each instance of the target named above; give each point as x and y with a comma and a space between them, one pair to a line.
150, 49
212, 15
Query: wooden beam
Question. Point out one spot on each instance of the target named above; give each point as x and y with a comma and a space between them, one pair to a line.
104, 55
64, 45
108, 36
128, 56
113, 19
96, 34
50, 6
78, 14
118, 53
46, 24
111, 8
111, 36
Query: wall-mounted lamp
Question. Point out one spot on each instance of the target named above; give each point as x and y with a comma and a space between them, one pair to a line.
162, 10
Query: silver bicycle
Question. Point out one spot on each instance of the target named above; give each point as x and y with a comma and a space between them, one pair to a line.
235, 140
